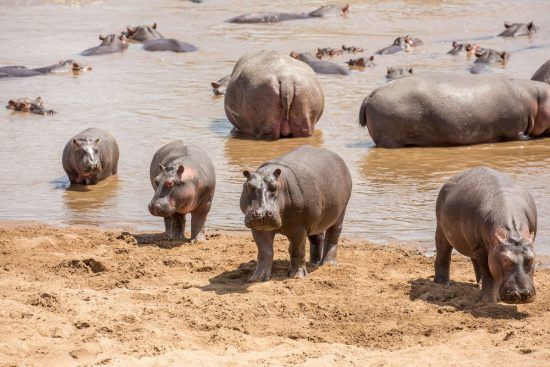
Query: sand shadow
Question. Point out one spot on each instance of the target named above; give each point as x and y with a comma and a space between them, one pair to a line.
235, 281
461, 296
156, 240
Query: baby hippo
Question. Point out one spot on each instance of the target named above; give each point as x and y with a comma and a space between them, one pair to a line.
302, 195
90, 156
109, 44
487, 216
184, 180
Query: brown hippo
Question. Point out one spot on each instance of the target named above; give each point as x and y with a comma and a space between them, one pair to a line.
319, 66
518, 29
406, 43
442, 109
90, 156
272, 17
27, 105
487, 216
184, 181
303, 195
397, 72
272, 96
543, 73
22, 71
109, 44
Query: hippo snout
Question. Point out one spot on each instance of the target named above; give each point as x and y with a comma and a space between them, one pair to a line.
160, 209
519, 296
262, 220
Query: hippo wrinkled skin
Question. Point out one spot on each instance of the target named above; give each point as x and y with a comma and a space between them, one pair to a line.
301, 195
485, 215
273, 17
319, 66
271, 96
154, 41
184, 181
543, 73
444, 109
109, 44
518, 29
22, 71
35, 106
406, 43
397, 72
90, 156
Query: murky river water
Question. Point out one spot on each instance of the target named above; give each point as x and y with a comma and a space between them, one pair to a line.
148, 99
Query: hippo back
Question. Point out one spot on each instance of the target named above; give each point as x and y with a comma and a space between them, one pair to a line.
543, 73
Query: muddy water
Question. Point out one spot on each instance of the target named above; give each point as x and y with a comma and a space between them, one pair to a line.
148, 99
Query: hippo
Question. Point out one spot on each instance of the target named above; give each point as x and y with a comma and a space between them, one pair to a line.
458, 47
487, 216
218, 88
361, 62
543, 73
27, 105
328, 51
518, 29
352, 49
142, 33
271, 96
301, 194
109, 44
401, 44
90, 156
319, 66
184, 181
272, 17
443, 109
397, 72
168, 45
488, 56
22, 71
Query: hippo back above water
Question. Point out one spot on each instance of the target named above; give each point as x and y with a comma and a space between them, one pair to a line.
319, 66
109, 44
442, 109
142, 33
22, 71
518, 29
274, 17
543, 73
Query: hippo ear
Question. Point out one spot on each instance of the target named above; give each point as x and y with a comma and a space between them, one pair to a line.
455, 44
130, 30
530, 26
345, 9
97, 140
277, 173
11, 102
246, 173
181, 169
410, 70
154, 25
76, 142
215, 85
507, 24
294, 54
122, 37
371, 58
102, 37
389, 70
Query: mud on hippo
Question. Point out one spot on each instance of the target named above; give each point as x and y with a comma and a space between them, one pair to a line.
274, 17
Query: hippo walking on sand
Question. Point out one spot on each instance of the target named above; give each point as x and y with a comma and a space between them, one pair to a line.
487, 216
442, 109
518, 29
272, 17
184, 181
271, 96
302, 195
22, 71
543, 73
319, 66
90, 156
109, 44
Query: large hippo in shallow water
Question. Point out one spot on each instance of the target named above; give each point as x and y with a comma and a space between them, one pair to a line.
319, 66
518, 29
301, 195
272, 17
485, 215
543, 73
441, 109
22, 71
272, 96
109, 44
184, 181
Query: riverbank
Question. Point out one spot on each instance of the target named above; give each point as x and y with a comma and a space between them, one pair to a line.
83, 296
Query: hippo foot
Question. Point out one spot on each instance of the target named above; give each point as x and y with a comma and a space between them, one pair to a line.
175, 236
445, 282
261, 274
298, 272
198, 238
332, 262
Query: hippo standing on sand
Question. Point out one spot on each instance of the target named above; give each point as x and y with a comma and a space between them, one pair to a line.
302, 195
90, 156
154, 41
487, 216
406, 43
271, 17
272, 96
109, 44
22, 71
184, 181
543, 73
319, 66
518, 29
441, 109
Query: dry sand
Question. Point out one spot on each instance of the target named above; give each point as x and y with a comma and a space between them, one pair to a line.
81, 296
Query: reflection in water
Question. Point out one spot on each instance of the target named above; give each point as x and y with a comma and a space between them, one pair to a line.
86, 202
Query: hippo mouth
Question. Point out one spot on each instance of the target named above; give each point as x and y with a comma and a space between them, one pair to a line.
515, 297
262, 221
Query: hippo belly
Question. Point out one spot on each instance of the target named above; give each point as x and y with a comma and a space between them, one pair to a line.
168, 45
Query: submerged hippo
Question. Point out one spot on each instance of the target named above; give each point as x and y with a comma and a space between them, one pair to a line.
543, 73
518, 29
442, 109
271, 17
154, 41
397, 72
90, 156
184, 181
352, 49
328, 51
22, 71
362, 62
109, 44
459, 47
142, 33
218, 88
487, 216
406, 43
302, 195
319, 66
272, 96
28, 105
488, 56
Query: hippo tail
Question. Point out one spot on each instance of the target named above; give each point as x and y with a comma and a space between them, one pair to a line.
286, 91
363, 113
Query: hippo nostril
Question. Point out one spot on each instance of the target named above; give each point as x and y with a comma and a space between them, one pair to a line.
515, 295
269, 213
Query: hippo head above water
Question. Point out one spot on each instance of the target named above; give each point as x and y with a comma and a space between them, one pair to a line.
87, 161
175, 191
330, 9
518, 29
27, 105
397, 72
264, 200
401, 44
143, 33
362, 62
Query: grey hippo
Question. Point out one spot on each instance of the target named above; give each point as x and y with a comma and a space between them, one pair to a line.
184, 181
271, 96
90, 156
543, 73
485, 215
154, 41
319, 66
109, 44
406, 43
443, 109
35, 106
518, 29
361, 62
301, 195
486, 57
397, 72
274, 17
17, 71
466, 47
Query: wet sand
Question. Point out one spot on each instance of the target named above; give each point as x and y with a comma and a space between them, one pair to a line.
83, 296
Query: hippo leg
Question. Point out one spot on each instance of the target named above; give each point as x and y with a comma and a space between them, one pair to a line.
489, 288
297, 251
198, 218
477, 271
443, 252
175, 226
264, 241
331, 242
316, 248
